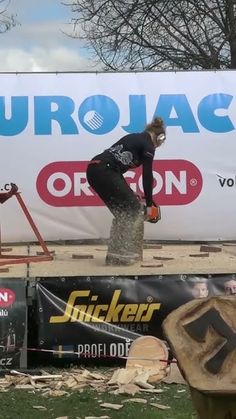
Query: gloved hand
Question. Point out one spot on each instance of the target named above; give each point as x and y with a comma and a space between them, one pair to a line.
153, 213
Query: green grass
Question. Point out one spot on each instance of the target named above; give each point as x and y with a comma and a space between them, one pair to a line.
18, 404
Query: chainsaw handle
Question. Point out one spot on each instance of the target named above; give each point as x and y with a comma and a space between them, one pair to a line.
152, 214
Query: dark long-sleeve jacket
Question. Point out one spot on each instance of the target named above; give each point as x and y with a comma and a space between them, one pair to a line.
131, 151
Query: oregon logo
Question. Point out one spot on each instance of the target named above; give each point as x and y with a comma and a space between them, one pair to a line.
64, 183
77, 310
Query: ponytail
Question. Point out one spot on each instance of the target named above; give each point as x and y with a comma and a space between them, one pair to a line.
157, 125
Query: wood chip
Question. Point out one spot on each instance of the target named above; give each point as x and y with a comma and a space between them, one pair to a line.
46, 377
152, 246
97, 417
96, 376
199, 255
38, 385
14, 372
131, 389
39, 407
151, 265
154, 390
3, 382
24, 387
4, 270
123, 376
111, 406
160, 406
162, 258
41, 253
55, 393
142, 380
175, 376
135, 400
115, 381
82, 256
205, 248
70, 383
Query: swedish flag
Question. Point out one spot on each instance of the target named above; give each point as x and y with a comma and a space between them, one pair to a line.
63, 351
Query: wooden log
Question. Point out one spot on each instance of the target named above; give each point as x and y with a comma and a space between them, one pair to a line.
151, 353
202, 335
214, 405
129, 242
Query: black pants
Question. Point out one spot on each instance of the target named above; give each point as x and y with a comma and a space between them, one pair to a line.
126, 233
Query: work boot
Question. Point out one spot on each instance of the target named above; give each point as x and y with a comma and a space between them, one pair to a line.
124, 259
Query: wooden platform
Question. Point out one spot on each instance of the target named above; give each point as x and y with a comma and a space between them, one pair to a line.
89, 260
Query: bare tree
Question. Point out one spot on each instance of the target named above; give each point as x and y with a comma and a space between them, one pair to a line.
7, 21
157, 34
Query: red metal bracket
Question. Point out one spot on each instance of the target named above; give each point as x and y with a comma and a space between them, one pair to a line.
15, 259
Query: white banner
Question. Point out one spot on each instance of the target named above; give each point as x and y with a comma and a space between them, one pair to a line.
51, 125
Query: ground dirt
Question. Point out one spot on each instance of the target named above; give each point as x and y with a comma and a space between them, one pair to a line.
89, 260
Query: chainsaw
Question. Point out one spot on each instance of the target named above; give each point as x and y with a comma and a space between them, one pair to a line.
152, 214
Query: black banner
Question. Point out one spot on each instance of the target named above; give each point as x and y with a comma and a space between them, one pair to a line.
99, 317
12, 321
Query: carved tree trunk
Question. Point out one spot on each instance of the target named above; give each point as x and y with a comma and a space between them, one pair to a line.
202, 334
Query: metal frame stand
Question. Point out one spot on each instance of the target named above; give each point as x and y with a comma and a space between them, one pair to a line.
15, 259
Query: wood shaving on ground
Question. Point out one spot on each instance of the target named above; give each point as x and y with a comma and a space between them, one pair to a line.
39, 407
174, 376
97, 417
135, 400
111, 406
115, 381
160, 406
155, 390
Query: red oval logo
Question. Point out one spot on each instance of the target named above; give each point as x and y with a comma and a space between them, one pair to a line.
7, 297
64, 184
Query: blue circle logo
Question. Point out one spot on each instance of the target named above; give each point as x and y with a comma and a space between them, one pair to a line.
99, 114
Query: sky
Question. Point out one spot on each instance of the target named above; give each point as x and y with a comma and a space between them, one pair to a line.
37, 42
